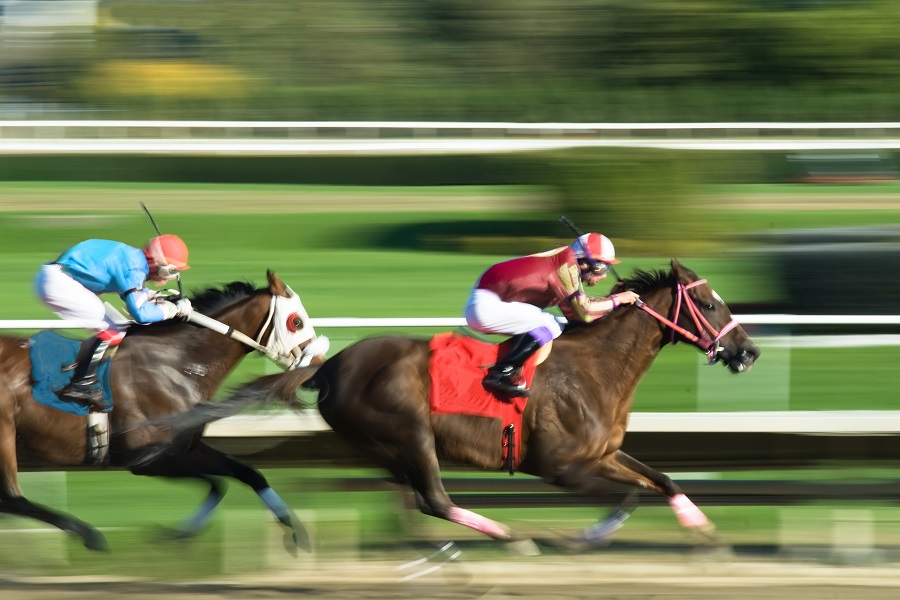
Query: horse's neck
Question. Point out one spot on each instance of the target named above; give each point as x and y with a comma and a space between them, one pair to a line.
247, 316
219, 352
632, 336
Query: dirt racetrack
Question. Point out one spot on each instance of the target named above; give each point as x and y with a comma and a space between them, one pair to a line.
597, 575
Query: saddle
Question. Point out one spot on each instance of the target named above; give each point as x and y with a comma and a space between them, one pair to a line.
457, 365
53, 360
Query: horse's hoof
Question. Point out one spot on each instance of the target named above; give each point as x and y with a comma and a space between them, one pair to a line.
95, 541
707, 535
719, 553
289, 541
573, 544
162, 534
296, 536
524, 547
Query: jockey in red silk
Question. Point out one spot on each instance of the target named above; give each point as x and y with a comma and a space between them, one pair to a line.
510, 298
71, 286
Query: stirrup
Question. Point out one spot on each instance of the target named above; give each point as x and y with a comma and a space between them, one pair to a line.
82, 391
504, 384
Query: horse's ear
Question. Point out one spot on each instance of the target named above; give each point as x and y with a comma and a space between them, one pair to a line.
684, 274
276, 286
681, 273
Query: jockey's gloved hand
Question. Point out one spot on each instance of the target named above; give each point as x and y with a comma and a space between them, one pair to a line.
169, 309
184, 308
164, 295
170, 294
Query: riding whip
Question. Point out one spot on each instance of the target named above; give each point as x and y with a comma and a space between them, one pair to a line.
158, 232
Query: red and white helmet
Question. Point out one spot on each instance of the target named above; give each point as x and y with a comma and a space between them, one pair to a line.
596, 246
168, 250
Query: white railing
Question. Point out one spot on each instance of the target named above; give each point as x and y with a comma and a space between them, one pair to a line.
245, 138
845, 422
347, 322
121, 128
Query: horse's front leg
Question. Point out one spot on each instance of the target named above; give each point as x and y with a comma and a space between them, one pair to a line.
200, 461
623, 468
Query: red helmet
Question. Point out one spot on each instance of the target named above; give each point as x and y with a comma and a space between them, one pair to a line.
598, 247
168, 250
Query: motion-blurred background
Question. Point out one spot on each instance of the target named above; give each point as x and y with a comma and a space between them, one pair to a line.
786, 220
460, 60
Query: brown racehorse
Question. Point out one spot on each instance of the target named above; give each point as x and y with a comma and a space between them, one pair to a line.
375, 392
158, 371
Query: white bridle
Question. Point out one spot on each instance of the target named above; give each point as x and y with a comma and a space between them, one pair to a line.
285, 339
283, 343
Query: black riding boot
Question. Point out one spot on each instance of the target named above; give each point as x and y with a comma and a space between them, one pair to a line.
83, 387
505, 378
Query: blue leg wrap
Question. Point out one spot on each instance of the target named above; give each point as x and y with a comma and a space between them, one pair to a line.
276, 504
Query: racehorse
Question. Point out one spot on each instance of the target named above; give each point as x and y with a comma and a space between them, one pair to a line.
158, 371
375, 394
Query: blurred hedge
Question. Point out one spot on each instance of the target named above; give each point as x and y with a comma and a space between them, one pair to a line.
642, 198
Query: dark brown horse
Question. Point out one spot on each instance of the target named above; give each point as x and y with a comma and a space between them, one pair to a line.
158, 371
375, 395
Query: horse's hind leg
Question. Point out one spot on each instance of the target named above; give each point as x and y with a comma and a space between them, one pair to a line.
421, 468
19, 505
14, 503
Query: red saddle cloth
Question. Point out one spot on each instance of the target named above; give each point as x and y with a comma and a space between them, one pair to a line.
458, 364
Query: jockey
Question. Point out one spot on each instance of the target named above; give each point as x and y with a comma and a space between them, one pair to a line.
71, 286
510, 296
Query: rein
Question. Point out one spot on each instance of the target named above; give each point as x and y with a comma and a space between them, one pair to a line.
219, 327
708, 338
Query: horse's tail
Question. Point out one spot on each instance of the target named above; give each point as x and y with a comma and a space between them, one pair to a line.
278, 387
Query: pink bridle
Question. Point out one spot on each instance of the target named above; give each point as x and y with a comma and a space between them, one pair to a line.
708, 338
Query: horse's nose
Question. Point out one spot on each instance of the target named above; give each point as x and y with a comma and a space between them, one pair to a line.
749, 354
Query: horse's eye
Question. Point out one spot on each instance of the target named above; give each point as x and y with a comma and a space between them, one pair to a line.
294, 323
709, 306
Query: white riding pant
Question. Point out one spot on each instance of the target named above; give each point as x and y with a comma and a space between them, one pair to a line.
487, 313
71, 300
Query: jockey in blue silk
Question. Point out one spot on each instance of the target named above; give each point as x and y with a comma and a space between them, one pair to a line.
71, 286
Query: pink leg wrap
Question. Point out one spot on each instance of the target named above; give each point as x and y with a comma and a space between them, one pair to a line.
687, 512
477, 522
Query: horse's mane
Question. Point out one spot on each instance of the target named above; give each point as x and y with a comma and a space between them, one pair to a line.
211, 299
642, 282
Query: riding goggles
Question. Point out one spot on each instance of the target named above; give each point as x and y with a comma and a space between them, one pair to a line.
601, 268
596, 268
168, 271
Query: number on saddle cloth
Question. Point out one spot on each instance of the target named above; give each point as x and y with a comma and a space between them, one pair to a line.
52, 356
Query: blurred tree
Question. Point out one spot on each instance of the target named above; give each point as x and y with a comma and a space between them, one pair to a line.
520, 60
640, 198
